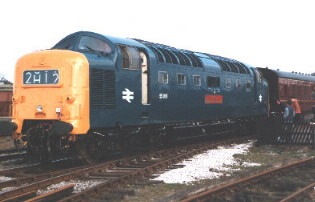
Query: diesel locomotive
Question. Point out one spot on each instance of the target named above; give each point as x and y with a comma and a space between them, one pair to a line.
93, 94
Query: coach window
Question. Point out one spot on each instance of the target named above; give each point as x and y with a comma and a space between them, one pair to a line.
213, 82
286, 90
197, 80
130, 58
294, 90
91, 44
181, 79
163, 77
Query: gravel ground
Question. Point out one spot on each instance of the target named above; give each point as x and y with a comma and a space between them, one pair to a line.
221, 165
80, 185
212, 164
233, 165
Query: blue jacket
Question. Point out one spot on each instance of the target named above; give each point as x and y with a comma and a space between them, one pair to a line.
289, 113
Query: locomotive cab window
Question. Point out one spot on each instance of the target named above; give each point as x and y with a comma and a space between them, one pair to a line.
94, 45
213, 82
130, 58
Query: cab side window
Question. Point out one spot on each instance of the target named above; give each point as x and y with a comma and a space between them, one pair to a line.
91, 44
130, 58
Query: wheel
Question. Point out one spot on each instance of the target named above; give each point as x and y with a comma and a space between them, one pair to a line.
93, 148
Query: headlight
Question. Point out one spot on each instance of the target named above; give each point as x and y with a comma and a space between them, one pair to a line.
39, 108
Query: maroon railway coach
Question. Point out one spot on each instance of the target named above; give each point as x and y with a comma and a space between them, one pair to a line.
6, 92
284, 85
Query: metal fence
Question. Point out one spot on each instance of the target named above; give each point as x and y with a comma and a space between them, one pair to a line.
297, 133
274, 130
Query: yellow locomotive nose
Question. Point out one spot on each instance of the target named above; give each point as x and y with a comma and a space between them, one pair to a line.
52, 85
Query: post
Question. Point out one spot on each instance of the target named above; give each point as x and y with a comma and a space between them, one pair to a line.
312, 125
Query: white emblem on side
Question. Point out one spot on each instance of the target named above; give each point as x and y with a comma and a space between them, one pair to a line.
260, 98
127, 95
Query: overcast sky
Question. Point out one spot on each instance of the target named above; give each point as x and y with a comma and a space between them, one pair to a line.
279, 34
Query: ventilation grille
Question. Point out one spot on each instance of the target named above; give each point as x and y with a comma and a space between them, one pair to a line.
230, 65
102, 85
167, 54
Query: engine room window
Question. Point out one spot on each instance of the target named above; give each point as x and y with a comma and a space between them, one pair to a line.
248, 85
213, 82
181, 79
238, 83
95, 45
197, 80
130, 58
228, 83
163, 77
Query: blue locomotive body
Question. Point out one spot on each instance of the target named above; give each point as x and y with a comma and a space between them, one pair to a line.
95, 95
138, 83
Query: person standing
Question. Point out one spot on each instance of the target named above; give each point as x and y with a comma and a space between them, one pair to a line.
297, 109
289, 112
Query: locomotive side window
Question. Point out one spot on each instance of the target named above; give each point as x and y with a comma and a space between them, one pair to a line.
238, 83
248, 85
95, 45
130, 58
181, 79
197, 80
213, 82
163, 77
228, 83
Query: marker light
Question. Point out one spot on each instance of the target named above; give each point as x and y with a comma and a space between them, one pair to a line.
39, 108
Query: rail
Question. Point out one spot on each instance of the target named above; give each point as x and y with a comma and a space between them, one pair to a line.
117, 172
236, 186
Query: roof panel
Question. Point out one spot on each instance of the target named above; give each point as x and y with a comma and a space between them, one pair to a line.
291, 75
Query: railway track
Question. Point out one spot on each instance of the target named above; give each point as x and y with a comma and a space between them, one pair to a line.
12, 154
110, 175
12, 150
254, 188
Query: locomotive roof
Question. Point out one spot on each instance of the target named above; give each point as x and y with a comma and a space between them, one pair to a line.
291, 75
170, 54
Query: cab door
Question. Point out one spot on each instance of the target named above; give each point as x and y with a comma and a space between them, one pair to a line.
258, 87
144, 79
260, 93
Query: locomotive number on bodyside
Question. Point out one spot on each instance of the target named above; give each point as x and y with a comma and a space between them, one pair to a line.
40, 77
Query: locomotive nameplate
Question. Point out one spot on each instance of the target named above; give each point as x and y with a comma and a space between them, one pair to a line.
41, 77
213, 99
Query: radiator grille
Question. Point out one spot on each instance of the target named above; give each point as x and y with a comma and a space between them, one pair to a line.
102, 88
